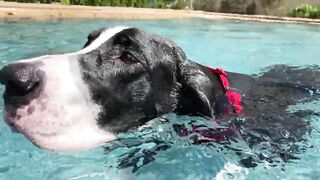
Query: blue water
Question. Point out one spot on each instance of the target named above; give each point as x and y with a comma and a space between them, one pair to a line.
245, 47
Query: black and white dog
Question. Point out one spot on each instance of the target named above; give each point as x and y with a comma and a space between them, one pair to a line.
124, 77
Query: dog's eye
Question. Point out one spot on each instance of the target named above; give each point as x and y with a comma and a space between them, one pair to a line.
128, 58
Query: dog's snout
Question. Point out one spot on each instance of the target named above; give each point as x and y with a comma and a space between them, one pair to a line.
20, 78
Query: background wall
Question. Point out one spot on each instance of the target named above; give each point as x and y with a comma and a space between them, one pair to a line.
265, 7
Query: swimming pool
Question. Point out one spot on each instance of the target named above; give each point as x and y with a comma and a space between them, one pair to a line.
245, 47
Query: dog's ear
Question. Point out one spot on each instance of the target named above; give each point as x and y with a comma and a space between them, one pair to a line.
92, 36
196, 96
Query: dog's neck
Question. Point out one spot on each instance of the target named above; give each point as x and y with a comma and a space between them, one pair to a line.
226, 100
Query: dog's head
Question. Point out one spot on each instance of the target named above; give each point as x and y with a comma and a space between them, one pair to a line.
122, 78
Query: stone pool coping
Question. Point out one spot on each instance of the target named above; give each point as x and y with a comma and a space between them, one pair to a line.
11, 11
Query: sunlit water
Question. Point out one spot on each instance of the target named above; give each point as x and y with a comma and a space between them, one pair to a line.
245, 47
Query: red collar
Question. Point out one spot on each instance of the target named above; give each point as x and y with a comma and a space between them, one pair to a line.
201, 135
233, 97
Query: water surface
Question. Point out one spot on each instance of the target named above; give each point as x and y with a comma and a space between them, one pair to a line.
245, 47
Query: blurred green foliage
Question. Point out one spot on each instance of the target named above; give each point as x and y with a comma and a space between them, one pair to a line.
34, 1
305, 11
174, 4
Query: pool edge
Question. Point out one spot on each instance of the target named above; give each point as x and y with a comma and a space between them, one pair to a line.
11, 11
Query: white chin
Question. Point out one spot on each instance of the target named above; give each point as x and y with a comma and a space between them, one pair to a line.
63, 117
75, 140
79, 136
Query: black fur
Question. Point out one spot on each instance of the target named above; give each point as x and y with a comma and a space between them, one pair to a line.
136, 76
93, 35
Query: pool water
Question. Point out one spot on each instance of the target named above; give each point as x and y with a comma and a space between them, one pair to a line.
155, 151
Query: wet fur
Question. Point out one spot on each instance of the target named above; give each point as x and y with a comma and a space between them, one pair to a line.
168, 82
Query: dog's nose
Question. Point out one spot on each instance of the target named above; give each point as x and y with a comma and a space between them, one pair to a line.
20, 78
